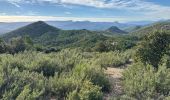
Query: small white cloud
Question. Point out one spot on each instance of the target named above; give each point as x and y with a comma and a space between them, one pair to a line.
2, 14
68, 13
31, 13
17, 5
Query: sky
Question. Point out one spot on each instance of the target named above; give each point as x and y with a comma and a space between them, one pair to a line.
84, 10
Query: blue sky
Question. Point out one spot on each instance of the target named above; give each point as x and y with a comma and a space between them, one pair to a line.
83, 10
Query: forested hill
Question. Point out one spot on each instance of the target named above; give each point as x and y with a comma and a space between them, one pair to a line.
115, 30
164, 26
46, 35
33, 30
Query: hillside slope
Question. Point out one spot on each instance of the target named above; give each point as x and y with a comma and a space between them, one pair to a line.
33, 30
165, 26
132, 28
47, 35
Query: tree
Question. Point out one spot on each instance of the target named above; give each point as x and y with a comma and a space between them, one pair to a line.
153, 47
28, 40
3, 46
20, 44
100, 47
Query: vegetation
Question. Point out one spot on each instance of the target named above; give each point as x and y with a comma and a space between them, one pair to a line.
16, 45
36, 75
48, 38
112, 59
141, 80
70, 65
153, 47
70, 73
159, 26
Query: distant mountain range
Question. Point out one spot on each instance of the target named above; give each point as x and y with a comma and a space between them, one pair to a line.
41, 29
73, 25
48, 35
100, 27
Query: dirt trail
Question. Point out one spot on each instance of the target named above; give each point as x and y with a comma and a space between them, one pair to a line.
115, 77
114, 72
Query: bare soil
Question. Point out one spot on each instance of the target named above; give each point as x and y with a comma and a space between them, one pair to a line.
115, 78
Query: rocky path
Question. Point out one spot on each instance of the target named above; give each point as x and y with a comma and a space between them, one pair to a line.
115, 77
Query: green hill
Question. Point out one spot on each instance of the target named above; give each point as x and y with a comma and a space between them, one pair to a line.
71, 38
115, 30
33, 30
165, 26
46, 35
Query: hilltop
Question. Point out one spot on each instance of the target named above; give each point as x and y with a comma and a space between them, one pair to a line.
115, 30
33, 30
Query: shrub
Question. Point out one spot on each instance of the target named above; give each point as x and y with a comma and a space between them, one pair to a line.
23, 85
112, 59
61, 86
143, 82
93, 73
139, 81
88, 91
163, 80
73, 95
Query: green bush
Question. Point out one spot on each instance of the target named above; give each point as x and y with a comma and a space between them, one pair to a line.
74, 95
93, 73
139, 81
23, 85
88, 91
61, 86
112, 59
143, 82
163, 81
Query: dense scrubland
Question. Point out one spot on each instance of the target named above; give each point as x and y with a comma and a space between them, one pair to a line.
67, 74
31, 69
